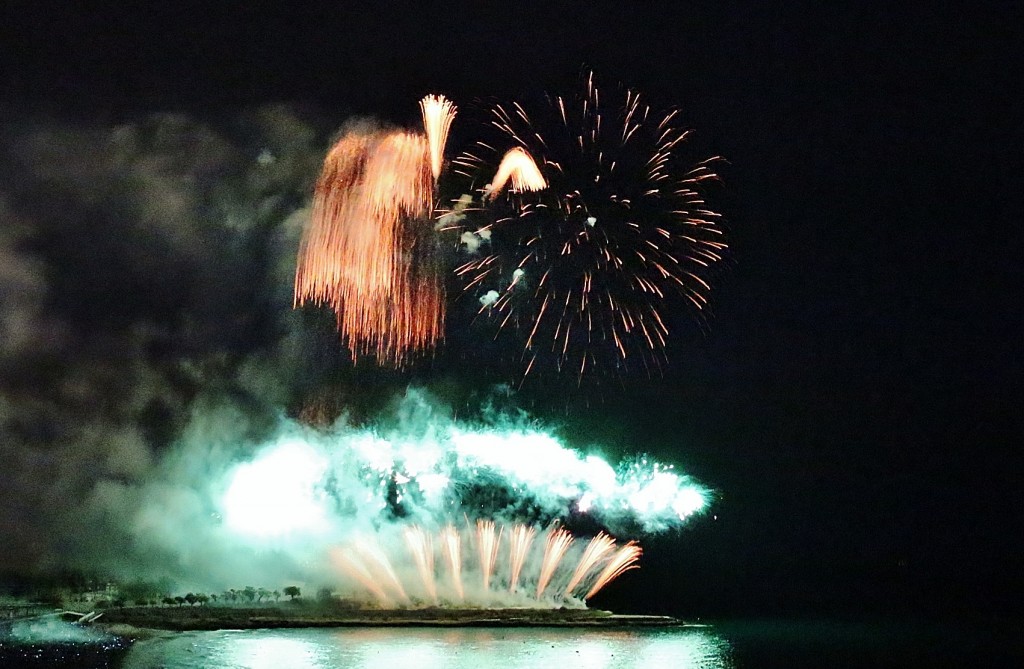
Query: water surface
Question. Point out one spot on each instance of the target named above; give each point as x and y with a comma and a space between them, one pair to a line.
735, 645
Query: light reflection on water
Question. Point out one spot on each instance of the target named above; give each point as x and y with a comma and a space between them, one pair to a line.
433, 648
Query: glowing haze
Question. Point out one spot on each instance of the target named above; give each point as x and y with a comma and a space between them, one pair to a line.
310, 482
431, 510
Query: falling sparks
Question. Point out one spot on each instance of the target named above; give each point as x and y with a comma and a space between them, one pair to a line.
369, 249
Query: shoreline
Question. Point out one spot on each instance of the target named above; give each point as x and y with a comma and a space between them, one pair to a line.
206, 618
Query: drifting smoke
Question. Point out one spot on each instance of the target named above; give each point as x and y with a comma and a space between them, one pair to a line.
380, 500
145, 275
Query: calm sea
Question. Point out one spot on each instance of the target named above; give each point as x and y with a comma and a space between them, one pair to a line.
722, 646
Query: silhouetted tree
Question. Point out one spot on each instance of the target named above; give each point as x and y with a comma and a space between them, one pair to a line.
292, 591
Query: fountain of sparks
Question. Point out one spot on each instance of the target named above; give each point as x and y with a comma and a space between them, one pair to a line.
502, 566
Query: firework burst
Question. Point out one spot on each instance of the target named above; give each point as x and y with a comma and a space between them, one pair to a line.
587, 271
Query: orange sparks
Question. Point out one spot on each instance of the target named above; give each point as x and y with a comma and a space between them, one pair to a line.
519, 540
354, 568
488, 542
422, 548
625, 559
598, 547
558, 542
519, 166
368, 250
438, 114
451, 542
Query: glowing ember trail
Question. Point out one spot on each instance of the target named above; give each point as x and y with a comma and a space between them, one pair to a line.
451, 543
422, 549
557, 544
488, 543
625, 559
519, 540
598, 547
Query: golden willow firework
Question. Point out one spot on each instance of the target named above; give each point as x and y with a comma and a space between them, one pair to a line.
589, 273
370, 251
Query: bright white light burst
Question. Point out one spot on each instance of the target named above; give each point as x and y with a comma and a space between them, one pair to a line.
311, 482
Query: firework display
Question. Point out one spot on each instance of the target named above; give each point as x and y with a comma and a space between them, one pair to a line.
521, 580
438, 511
590, 233
584, 274
579, 234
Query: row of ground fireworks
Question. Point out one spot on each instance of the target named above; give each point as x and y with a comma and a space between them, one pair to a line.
601, 562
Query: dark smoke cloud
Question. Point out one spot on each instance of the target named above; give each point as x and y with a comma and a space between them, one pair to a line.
145, 279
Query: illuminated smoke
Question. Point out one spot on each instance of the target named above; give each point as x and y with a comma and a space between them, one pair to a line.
304, 481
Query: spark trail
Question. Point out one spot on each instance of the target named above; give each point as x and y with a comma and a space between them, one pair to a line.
595, 551
519, 540
488, 544
451, 543
422, 548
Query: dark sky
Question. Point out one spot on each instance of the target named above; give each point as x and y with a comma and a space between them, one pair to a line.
857, 394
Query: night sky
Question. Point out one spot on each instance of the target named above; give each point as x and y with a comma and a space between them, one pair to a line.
855, 395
